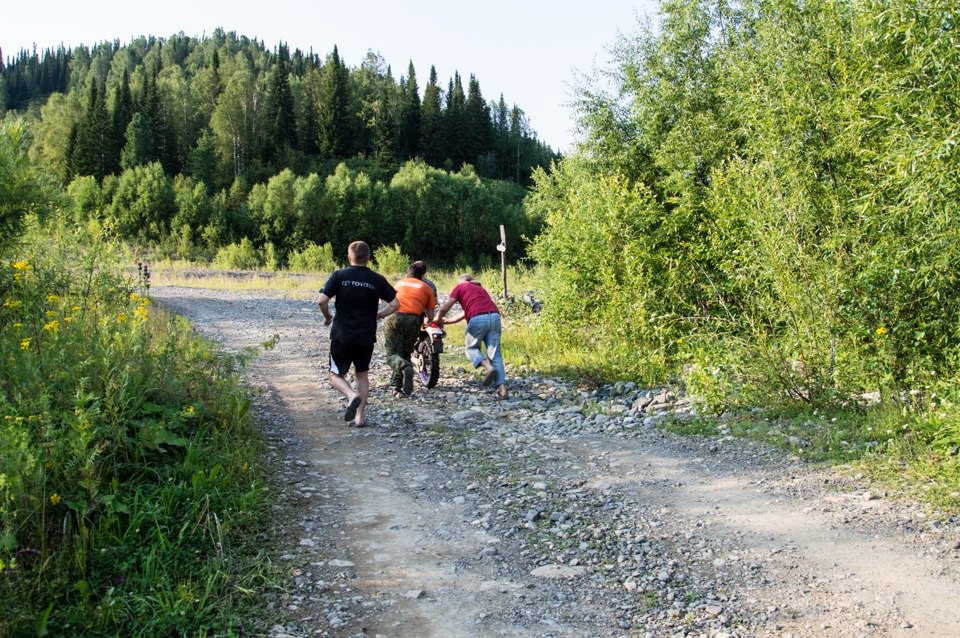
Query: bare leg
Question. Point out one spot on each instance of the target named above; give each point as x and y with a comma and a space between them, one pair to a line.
363, 391
341, 385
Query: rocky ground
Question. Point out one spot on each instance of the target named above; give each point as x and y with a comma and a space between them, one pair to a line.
560, 512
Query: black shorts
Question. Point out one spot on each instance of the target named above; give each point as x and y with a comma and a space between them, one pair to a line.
343, 355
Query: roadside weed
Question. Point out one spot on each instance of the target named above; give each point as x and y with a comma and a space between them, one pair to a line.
129, 471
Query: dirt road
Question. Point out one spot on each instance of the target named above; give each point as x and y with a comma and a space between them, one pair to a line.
559, 512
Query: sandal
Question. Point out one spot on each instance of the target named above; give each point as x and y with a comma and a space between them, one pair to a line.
352, 409
491, 375
408, 380
399, 394
502, 394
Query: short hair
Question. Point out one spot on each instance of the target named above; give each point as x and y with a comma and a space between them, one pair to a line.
416, 270
359, 251
466, 277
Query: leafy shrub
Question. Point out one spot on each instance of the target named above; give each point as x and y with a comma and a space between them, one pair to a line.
599, 252
23, 188
242, 256
389, 260
313, 259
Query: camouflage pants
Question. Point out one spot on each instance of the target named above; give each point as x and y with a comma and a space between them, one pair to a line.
400, 334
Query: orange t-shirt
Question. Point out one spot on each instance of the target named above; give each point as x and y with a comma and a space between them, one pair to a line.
414, 295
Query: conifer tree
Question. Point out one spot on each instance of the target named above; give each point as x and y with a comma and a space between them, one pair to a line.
308, 131
408, 138
139, 147
477, 137
280, 108
120, 116
453, 122
384, 126
151, 106
334, 121
431, 122
501, 135
92, 150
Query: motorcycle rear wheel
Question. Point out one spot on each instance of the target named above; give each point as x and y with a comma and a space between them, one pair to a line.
426, 362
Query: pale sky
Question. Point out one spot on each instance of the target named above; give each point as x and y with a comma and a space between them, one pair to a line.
527, 51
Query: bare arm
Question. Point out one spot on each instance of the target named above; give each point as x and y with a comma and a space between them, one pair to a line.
391, 308
324, 302
444, 309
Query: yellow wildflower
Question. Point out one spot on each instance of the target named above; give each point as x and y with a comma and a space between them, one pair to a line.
881, 331
141, 313
18, 325
24, 344
67, 319
23, 265
55, 498
53, 298
121, 318
53, 326
51, 313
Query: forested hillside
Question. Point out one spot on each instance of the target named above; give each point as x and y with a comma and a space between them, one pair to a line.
174, 140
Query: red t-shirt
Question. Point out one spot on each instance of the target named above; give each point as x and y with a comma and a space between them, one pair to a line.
474, 299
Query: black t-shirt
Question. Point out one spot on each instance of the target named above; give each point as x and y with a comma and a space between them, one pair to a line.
358, 291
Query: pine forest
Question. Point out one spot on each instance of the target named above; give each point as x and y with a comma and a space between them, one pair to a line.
196, 145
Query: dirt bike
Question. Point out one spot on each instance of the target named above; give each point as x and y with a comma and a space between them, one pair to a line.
426, 354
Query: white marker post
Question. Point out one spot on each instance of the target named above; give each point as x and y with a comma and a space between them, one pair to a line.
503, 259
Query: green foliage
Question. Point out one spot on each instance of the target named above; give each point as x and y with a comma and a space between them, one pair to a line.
602, 264
242, 256
443, 216
86, 197
799, 171
323, 140
139, 144
23, 188
144, 203
313, 259
129, 482
390, 260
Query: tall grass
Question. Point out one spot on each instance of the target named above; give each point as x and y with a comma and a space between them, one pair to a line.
131, 494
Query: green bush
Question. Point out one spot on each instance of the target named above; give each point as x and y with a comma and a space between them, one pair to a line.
313, 259
242, 256
23, 188
390, 260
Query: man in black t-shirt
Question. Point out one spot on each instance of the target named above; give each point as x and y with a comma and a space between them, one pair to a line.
358, 291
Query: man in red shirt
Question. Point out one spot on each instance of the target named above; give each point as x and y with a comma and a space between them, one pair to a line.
483, 326
400, 330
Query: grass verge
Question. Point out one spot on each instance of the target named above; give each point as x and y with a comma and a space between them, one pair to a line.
132, 494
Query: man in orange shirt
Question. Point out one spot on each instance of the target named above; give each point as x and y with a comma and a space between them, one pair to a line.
401, 329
